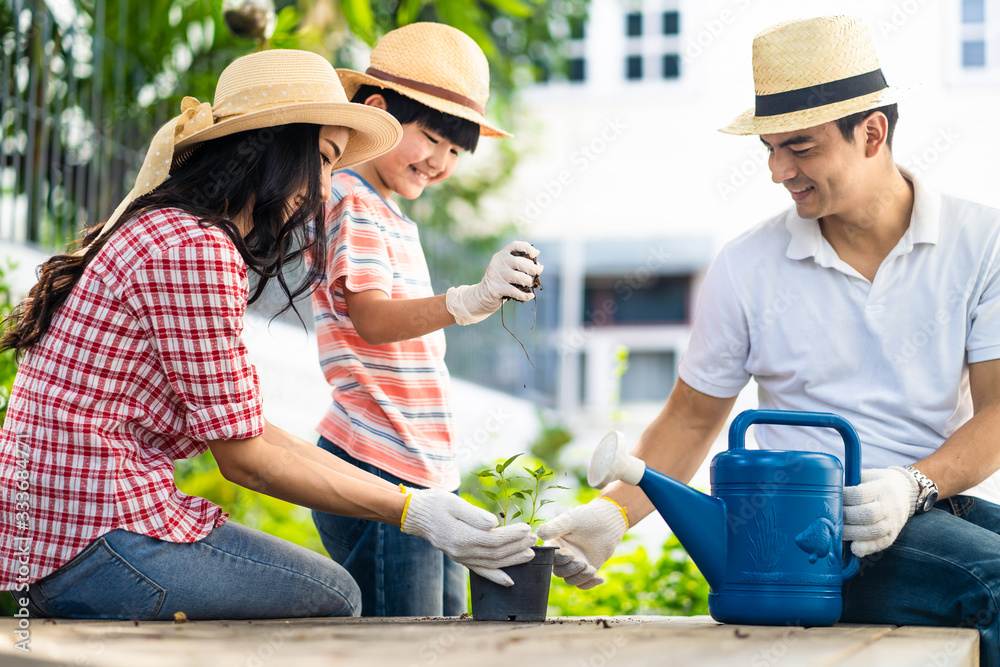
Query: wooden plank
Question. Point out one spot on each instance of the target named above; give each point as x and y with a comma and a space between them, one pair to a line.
426, 642
933, 647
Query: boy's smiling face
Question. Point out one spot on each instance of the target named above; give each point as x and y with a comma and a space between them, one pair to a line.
421, 158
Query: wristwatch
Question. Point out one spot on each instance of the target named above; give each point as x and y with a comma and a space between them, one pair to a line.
927, 493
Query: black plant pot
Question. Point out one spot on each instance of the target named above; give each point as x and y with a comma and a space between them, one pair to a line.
527, 600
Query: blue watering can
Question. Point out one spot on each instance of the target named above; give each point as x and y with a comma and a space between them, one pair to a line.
768, 539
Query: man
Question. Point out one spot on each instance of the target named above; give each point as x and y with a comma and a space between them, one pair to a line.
889, 297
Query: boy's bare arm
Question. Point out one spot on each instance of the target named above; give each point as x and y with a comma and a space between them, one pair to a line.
380, 320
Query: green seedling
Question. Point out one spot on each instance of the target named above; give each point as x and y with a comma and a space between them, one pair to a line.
516, 496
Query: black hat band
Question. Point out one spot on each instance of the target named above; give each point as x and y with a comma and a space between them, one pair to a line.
821, 94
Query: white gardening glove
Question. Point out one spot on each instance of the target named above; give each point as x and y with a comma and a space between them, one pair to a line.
877, 509
467, 534
474, 303
586, 536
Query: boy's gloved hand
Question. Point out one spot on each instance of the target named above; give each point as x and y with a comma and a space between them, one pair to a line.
474, 303
877, 509
586, 536
467, 534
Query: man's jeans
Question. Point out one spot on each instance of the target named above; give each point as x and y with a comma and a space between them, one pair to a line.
399, 574
943, 569
234, 573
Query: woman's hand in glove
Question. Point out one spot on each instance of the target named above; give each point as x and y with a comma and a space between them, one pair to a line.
467, 534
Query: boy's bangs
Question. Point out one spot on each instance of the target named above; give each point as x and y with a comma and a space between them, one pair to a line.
459, 131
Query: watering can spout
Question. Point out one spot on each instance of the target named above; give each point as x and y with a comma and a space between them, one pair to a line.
698, 519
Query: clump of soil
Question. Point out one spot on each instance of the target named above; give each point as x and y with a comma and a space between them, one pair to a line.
535, 284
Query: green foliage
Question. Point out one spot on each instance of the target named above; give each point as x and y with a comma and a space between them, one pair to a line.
516, 496
200, 476
551, 440
8, 361
8, 368
8, 606
638, 584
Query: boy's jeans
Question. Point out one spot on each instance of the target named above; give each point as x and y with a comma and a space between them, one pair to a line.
943, 569
234, 573
399, 574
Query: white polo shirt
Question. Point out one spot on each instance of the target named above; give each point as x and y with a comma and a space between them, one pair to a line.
891, 356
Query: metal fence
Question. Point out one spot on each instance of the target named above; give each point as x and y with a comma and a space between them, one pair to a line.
78, 106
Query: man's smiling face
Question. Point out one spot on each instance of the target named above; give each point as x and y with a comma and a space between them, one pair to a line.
820, 169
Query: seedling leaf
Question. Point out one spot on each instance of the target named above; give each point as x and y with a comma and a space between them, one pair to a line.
503, 466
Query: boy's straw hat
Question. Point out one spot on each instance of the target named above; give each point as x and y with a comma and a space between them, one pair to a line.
813, 71
434, 64
261, 90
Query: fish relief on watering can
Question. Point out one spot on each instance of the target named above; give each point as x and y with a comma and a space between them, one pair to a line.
818, 543
819, 539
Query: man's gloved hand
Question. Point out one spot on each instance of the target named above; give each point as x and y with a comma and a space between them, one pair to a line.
467, 534
877, 509
474, 303
586, 536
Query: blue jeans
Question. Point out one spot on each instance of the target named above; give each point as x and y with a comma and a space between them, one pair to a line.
234, 573
399, 574
943, 569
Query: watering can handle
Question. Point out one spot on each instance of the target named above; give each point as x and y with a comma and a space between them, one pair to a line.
852, 446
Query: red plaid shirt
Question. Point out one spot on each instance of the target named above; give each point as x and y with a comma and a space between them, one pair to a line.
141, 366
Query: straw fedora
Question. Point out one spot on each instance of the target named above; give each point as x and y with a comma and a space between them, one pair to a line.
261, 90
434, 64
813, 71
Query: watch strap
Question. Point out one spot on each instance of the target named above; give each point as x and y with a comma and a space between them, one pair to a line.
927, 490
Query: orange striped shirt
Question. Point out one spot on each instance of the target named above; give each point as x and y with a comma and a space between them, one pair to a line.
391, 405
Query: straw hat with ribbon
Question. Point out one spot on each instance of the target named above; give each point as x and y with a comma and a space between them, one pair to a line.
434, 64
813, 71
260, 90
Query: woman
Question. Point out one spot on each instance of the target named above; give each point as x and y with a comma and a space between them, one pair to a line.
132, 358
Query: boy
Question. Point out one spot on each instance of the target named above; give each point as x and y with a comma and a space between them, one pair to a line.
379, 323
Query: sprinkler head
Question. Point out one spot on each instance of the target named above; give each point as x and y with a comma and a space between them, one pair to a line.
611, 461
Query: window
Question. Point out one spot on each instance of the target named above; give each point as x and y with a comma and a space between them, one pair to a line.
633, 24
973, 11
577, 27
649, 376
633, 68
658, 300
671, 23
671, 66
576, 69
974, 54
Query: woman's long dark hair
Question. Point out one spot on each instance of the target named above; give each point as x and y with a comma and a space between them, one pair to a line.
260, 169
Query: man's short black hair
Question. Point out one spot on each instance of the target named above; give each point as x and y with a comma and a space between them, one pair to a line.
848, 123
459, 131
